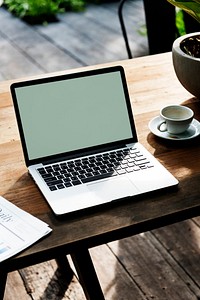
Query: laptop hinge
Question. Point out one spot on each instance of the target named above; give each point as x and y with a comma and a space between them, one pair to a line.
82, 154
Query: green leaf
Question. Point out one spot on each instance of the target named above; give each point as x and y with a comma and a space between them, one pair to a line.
192, 7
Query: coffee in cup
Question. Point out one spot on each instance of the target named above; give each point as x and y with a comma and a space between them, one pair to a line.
176, 119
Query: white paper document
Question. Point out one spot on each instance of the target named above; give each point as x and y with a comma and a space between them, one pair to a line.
18, 229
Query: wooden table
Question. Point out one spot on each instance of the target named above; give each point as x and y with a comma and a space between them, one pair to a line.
152, 84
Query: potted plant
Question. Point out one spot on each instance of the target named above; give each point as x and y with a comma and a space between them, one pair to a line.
186, 50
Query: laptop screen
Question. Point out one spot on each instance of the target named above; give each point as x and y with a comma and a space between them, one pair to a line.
72, 113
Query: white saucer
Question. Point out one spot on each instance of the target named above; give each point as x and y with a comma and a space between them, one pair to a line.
190, 133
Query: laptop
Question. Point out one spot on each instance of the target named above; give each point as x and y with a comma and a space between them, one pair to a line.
79, 140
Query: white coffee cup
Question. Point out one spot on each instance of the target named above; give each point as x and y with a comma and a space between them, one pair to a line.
176, 119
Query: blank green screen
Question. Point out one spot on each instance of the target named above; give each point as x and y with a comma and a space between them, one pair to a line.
73, 114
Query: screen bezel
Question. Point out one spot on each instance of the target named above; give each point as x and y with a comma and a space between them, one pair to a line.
83, 151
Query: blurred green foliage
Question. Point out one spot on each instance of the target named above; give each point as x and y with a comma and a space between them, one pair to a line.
180, 24
42, 10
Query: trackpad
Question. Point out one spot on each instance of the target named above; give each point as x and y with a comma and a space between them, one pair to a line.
112, 189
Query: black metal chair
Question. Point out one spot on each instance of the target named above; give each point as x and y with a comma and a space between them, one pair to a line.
160, 23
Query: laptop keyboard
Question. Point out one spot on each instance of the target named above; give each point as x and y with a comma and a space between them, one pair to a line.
100, 166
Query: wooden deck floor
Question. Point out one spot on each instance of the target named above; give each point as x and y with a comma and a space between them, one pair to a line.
163, 264
77, 39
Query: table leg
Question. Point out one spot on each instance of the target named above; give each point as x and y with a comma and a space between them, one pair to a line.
64, 267
3, 277
87, 275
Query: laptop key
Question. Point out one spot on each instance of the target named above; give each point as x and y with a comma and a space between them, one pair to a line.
68, 184
74, 178
76, 182
96, 177
67, 179
140, 163
49, 179
42, 171
60, 186
132, 169
53, 188
47, 175
55, 182
121, 172
55, 173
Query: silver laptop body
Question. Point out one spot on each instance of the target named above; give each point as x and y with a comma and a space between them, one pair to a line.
79, 140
